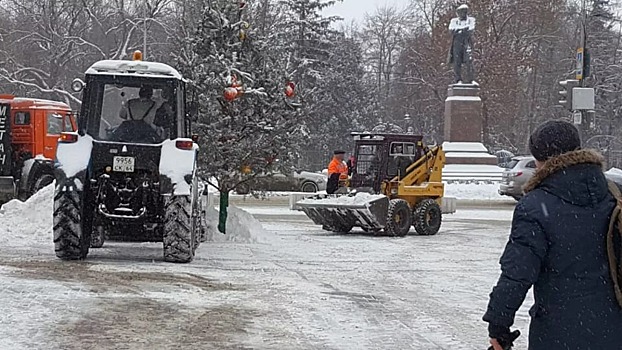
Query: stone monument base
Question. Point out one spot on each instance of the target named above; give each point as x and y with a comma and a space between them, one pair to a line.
468, 153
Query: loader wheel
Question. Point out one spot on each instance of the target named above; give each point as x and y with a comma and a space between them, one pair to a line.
399, 218
428, 217
98, 237
179, 239
70, 241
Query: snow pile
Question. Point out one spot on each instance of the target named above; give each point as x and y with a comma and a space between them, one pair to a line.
242, 227
474, 191
29, 221
357, 200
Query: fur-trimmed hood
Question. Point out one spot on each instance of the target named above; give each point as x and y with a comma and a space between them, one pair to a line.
561, 162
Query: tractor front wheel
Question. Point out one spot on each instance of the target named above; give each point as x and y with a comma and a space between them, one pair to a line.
399, 218
428, 217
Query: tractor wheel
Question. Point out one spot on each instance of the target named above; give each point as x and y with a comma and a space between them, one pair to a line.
98, 237
428, 217
179, 240
399, 218
70, 241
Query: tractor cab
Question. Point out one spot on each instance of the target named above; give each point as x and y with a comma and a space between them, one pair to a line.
383, 157
133, 102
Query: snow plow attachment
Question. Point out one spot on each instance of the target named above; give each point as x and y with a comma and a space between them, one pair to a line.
342, 213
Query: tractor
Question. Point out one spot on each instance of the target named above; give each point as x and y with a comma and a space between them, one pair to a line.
396, 183
129, 172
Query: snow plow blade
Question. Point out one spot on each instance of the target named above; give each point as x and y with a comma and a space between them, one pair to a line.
341, 213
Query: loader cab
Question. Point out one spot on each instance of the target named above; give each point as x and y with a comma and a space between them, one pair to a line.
133, 102
382, 157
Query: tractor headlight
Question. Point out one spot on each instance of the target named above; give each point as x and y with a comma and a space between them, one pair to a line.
394, 191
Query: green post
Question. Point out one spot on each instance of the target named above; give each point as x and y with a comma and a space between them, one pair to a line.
222, 217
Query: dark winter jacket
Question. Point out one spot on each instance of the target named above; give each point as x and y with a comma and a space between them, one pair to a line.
557, 244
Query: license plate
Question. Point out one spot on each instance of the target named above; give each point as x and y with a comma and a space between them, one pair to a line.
123, 164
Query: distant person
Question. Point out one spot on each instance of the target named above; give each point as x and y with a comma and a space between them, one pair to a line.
336, 169
558, 246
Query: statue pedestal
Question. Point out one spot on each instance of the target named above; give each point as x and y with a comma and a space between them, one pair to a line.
463, 127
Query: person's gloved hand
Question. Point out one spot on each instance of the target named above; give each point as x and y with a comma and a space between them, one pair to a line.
501, 338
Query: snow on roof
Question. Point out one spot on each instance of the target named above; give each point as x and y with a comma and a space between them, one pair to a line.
152, 69
472, 168
471, 147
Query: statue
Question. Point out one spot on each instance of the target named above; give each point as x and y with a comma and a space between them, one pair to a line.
460, 53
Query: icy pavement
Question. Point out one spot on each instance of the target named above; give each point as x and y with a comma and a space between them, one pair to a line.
298, 288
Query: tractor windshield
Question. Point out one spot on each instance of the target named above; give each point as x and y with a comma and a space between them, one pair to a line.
133, 111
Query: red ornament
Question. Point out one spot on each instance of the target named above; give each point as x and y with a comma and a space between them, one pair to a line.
230, 94
290, 89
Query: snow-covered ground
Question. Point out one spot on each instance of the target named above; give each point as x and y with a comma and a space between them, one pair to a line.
276, 282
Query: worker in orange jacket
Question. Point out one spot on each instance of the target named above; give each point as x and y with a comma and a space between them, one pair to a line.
336, 169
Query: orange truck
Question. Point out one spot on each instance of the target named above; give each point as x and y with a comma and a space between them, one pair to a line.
29, 132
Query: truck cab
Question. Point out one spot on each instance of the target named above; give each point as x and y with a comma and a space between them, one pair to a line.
29, 133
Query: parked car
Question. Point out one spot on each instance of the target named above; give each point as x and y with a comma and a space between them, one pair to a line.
520, 170
517, 173
296, 182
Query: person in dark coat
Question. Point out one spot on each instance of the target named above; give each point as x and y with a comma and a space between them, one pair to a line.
558, 246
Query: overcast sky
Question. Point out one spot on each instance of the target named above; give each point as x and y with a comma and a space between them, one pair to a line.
356, 9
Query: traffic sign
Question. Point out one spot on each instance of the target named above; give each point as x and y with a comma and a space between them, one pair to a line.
580, 58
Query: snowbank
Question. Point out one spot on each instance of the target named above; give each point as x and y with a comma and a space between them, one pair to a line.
242, 227
474, 191
27, 222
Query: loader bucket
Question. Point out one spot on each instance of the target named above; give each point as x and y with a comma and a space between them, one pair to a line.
341, 213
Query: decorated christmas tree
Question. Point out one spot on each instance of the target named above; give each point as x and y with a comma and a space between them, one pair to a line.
248, 117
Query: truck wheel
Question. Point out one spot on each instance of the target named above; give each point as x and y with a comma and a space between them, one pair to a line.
41, 183
98, 237
428, 217
399, 218
179, 240
70, 241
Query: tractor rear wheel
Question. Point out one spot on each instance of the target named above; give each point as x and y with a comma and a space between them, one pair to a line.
179, 236
71, 242
427, 217
399, 218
